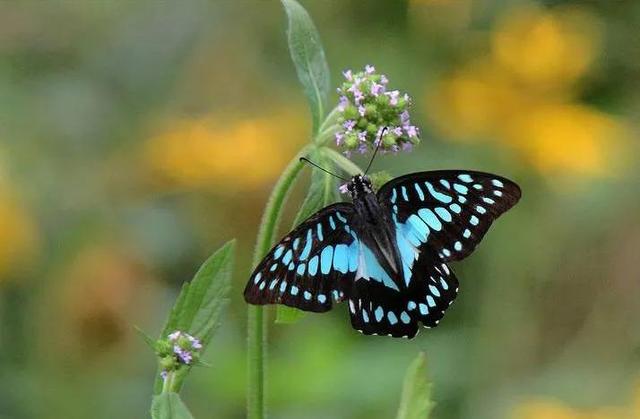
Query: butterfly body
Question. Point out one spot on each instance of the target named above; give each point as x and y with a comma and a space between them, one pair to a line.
386, 253
374, 226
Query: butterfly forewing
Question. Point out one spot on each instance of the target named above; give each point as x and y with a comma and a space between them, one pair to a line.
447, 211
312, 267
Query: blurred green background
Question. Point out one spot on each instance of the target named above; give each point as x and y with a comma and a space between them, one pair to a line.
137, 137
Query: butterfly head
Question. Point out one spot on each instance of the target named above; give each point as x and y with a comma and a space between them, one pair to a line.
359, 185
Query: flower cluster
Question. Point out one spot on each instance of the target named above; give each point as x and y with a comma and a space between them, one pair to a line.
366, 107
178, 349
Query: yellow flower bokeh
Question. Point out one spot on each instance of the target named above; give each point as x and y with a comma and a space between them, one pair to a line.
475, 102
19, 239
555, 409
546, 48
104, 288
522, 93
223, 152
556, 138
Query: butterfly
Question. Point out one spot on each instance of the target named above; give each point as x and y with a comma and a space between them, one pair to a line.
387, 253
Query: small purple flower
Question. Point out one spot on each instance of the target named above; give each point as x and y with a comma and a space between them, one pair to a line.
376, 89
348, 75
343, 188
343, 103
393, 97
361, 110
404, 117
397, 131
186, 357
363, 148
164, 374
369, 69
407, 147
184, 346
362, 136
349, 124
358, 96
384, 80
339, 138
195, 343
411, 130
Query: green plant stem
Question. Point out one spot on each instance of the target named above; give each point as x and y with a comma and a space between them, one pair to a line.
342, 162
167, 385
327, 135
330, 120
257, 321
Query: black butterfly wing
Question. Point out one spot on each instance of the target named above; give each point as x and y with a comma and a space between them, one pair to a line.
377, 310
313, 266
447, 211
439, 216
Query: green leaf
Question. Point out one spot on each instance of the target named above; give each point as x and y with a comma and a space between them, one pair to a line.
416, 391
169, 406
199, 306
322, 192
207, 296
288, 315
151, 342
309, 59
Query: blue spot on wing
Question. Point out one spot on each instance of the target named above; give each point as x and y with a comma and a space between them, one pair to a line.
443, 213
407, 254
354, 253
278, 252
430, 218
326, 259
419, 191
373, 270
379, 313
460, 188
307, 246
313, 266
287, 257
341, 258
438, 195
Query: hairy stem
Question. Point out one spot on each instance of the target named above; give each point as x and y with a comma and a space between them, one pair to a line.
342, 162
167, 385
257, 322
331, 119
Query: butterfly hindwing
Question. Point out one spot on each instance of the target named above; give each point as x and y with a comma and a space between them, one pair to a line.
448, 211
312, 267
376, 309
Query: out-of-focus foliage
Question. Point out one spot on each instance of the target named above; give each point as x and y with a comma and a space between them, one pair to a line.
416, 391
136, 137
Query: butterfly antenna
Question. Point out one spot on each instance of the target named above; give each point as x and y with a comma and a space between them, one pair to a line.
376, 150
306, 160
